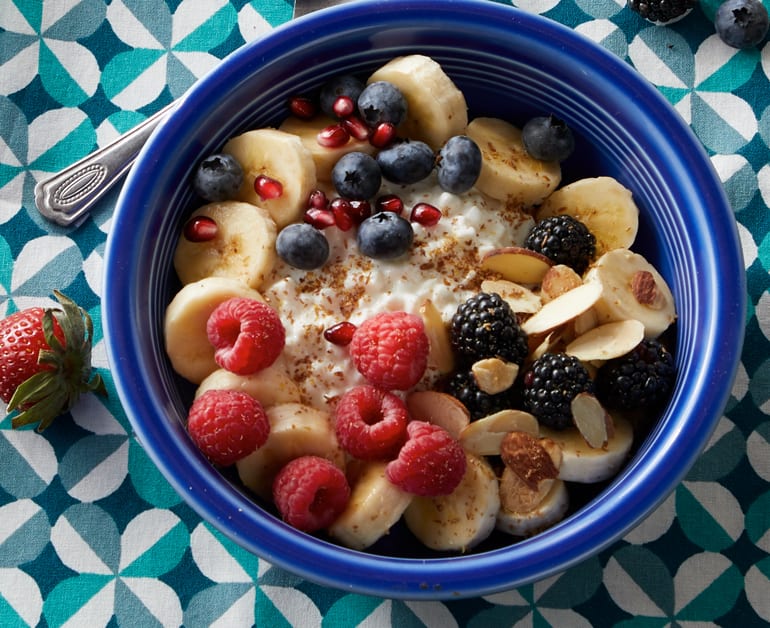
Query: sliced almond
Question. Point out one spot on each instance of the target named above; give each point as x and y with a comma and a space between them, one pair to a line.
517, 264
484, 436
584, 322
591, 419
439, 409
494, 375
441, 356
543, 343
517, 496
563, 308
607, 341
558, 280
526, 456
521, 299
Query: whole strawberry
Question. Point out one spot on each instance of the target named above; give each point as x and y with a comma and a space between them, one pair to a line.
45, 362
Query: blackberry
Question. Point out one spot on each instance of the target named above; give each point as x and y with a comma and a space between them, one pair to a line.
643, 378
563, 239
550, 385
662, 11
484, 326
462, 385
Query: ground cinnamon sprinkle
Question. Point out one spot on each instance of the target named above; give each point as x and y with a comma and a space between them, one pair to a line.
443, 265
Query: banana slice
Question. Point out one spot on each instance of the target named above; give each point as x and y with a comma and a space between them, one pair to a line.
585, 464
375, 506
631, 288
436, 108
295, 430
270, 386
464, 518
550, 510
603, 205
243, 247
532, 497
508, 173
280, 156
323, 156
184, 325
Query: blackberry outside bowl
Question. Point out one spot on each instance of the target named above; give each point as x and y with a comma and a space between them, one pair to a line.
509, 64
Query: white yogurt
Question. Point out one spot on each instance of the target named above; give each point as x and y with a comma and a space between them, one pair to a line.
442, 266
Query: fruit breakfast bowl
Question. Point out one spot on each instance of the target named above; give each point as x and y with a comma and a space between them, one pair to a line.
509, 65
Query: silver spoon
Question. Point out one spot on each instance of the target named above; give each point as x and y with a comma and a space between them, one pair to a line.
66, 197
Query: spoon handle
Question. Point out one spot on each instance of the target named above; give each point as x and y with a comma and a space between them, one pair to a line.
66, 197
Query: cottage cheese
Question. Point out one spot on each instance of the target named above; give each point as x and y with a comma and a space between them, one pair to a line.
442, 265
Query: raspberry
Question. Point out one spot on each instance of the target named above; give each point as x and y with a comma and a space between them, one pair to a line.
370, 423
310, 492
247, 335
431, 462
391, 350
227, 425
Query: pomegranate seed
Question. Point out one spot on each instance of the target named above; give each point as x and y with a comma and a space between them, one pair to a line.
356, 127
343, 213
302, 107
425, 214
333, 136
359, 211
383, 134
267, 188
319, 218
389, 203
200, 229
343, 106
340, 334
317, 200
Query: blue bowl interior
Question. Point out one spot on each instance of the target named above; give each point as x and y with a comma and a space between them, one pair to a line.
509, 64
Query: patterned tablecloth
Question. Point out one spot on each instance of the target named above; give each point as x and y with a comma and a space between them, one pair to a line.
91, 534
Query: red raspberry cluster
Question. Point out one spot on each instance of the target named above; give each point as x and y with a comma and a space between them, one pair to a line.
247, 336
372, 423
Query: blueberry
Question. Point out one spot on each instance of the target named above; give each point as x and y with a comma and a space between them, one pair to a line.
406, 162
382, 101
742, 23
384, 235
345, 85
356, 176
303, 246
548, 138
218, 178
459, 164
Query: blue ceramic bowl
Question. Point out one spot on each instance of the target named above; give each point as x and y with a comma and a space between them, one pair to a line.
509, 64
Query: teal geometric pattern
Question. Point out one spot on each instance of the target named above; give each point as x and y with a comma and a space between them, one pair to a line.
92, 534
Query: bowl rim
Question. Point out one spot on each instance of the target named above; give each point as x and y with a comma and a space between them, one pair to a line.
601, 523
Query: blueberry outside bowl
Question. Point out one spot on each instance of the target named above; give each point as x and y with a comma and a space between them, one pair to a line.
509, 64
